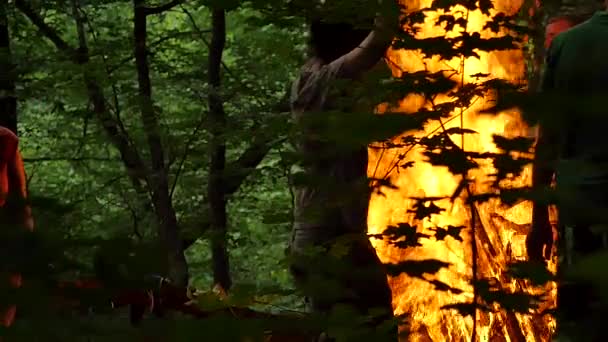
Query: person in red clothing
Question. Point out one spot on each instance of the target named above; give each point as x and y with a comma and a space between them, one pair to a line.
560, 24
13, 192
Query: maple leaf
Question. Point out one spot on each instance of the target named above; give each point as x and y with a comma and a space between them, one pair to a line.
453, 231
416, 268
422, 210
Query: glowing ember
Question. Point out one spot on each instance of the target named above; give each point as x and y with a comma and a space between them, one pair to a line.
500, 232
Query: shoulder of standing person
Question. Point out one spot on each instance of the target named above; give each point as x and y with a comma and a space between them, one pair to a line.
8, 144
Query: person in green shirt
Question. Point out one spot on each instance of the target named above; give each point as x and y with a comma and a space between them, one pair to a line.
572, 147
571, 144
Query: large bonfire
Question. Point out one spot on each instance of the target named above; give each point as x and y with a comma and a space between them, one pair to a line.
500, 230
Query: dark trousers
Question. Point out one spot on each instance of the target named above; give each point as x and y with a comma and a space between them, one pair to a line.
579, 307
348, 272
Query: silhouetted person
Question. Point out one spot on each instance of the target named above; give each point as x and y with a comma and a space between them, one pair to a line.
15, 212
331, 204
572, 146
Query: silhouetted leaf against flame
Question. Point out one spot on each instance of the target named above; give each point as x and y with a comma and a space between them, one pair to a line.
353, 130
401, 230
459, 130
422, 210
449, 4
521, 302
416, 268
485, 6
403, 235
520, 144
441, 286
450, 22
507, 165
407, 164
409, 140
480, 75
502, 22
490, 291
420, 82
428, 198
455, 160
465, 95
537, 273
466, 309
453, 231
377, 184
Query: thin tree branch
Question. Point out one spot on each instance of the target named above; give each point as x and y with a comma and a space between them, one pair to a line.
68, 159
8, 97
118, 137
104, 58
223, 64
155, 43
238, 170
143, 193
162, 8
236, 173
182, 160
45, 29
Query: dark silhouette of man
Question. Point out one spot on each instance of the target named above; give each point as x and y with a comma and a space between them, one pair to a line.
572, 146
333, 259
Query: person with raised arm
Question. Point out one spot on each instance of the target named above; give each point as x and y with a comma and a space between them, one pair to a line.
332, 207
572, 148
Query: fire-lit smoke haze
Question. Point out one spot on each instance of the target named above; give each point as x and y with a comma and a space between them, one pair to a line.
500, 231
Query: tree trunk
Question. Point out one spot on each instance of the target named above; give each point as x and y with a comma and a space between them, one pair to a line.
576, 301
8, 119
216, 189
158, 180
8, 98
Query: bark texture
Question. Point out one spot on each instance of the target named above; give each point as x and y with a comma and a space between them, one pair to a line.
158, 180
216, 189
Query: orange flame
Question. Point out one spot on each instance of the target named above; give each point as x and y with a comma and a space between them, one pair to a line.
501, 230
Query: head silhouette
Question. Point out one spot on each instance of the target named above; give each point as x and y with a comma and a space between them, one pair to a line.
329, 40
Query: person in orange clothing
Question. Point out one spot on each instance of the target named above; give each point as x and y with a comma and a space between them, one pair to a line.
558, 25
13, 192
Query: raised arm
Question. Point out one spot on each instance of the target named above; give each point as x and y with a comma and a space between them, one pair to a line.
372, 49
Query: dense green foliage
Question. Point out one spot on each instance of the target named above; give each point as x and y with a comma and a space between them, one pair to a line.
68, 157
